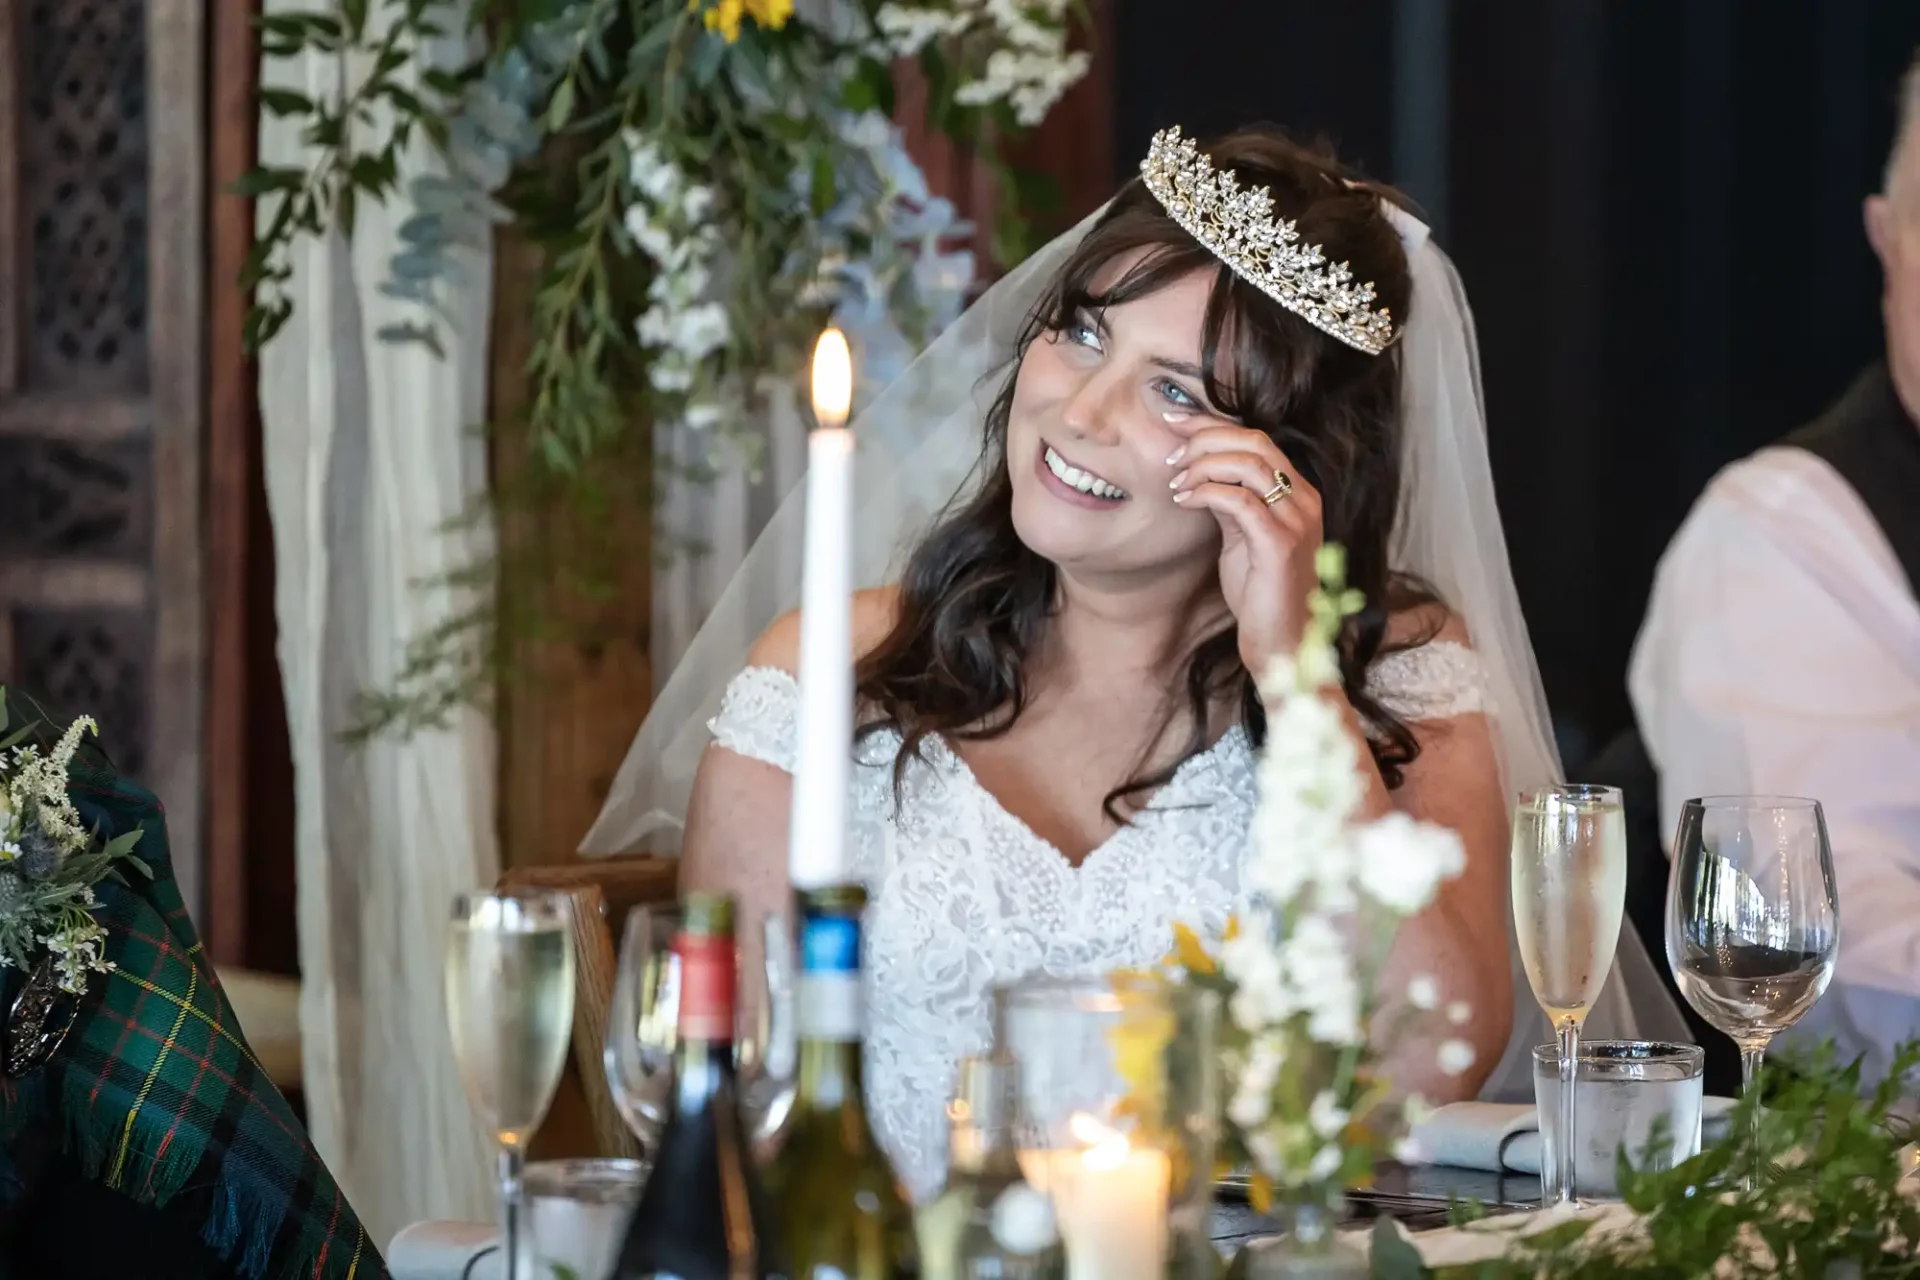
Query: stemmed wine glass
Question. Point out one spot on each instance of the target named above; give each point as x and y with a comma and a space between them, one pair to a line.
1569, 868
643, 1028
510, 1007
1753, 918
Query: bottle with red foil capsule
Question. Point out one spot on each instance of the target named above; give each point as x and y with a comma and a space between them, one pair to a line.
702, 1215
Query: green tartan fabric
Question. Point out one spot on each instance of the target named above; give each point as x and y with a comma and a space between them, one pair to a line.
155, 1090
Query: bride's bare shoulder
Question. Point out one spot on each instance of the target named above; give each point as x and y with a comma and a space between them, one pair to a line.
873, 614
1422, 623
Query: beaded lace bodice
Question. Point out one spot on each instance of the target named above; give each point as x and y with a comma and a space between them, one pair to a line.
963, 896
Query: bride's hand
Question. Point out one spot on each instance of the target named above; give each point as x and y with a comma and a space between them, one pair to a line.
1267, 547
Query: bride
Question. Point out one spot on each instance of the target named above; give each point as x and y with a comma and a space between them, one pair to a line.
1058, 716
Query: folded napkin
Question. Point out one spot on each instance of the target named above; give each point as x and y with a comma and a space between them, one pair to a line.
445, 1251
1505, 1137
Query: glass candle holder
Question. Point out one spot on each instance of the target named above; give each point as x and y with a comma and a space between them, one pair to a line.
1119, 1092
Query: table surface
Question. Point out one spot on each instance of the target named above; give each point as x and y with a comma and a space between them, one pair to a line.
1419, 1196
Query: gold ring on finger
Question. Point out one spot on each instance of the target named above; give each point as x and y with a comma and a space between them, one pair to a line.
1282, 489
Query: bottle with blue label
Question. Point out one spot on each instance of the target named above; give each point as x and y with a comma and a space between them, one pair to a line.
841, 1213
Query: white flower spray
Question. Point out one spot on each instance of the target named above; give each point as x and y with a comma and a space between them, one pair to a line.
50, 862
1323, 895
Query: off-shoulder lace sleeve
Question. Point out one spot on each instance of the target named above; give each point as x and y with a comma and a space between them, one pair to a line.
759, 716
1430, 682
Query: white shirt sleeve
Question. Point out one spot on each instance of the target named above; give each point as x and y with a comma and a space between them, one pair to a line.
1781, 654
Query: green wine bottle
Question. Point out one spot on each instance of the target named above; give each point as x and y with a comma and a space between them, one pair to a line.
840, 1211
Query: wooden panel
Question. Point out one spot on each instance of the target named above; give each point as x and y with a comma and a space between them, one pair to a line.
101, 249
175, 285
233, 455
12, 244
569, 715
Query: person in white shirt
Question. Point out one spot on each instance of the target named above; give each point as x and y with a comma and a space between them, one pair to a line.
1781, 651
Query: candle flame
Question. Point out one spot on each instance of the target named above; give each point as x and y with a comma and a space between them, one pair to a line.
832, 379
1106, 1148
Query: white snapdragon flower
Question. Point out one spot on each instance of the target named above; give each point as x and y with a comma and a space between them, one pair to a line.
1455, 1056
1250, 1107
1319, 969
654, 239
1326, 1163
670, 376
1327, 1117
702, 330
1401, 862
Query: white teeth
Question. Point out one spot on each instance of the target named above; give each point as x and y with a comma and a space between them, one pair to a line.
1084, 481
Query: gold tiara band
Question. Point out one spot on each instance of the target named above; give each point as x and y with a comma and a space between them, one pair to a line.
1239, 228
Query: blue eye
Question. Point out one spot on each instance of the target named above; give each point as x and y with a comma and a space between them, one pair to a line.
1177, 394
1082, 334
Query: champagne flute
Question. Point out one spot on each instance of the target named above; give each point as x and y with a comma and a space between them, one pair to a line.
1569, 869
1753, 917
643, 1022
510, 1007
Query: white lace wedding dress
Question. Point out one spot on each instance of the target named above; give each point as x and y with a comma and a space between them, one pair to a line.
964, 896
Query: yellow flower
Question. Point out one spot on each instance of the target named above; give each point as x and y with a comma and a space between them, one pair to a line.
1189, 952
724, 16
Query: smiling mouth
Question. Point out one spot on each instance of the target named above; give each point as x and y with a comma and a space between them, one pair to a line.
1085, 481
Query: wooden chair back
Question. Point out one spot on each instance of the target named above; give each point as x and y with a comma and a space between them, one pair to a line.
583, 1120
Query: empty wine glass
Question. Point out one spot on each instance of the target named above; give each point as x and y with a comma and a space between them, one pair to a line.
1569, 869
1753, 918
509, 979
643, 1025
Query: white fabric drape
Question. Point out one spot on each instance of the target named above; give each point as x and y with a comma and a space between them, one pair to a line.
369, 454
717, 520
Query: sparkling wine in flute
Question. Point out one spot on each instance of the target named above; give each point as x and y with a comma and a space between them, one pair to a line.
510, 1008
1569, 866
1752, 993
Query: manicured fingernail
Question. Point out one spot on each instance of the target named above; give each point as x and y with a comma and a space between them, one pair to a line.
1173, 459
1177, 480
1182, 496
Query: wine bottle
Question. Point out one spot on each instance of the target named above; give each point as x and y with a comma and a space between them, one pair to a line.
841, 1213
702, 1214
989, 1222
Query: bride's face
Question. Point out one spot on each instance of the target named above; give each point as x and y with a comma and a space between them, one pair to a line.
1097, 408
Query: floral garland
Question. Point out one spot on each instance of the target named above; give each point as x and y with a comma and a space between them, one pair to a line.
1307, 1107
709, 183
50, 863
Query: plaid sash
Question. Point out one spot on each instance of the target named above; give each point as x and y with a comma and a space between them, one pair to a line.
155, 1090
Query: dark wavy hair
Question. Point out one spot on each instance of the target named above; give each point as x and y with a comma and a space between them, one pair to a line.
975, 601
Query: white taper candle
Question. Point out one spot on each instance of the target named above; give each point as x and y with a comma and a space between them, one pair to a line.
817, 836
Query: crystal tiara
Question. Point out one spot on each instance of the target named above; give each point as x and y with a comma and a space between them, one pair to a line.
1238, 227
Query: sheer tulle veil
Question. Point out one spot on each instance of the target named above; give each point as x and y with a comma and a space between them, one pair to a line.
919, 442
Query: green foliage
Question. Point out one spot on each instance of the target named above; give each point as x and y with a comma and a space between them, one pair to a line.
1830, 1200
541, 135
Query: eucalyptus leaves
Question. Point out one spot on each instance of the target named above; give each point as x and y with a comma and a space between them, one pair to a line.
50, 862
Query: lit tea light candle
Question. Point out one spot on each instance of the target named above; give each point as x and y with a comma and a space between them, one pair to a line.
817, 835
1111, 1200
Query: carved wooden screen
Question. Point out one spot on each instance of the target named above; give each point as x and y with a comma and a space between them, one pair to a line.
100, 366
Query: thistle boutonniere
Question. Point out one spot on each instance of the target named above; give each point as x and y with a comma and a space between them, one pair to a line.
50, 862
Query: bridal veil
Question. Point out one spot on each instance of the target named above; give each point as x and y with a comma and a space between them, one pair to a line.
919, 443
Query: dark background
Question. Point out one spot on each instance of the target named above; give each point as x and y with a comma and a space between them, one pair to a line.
1656, 209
